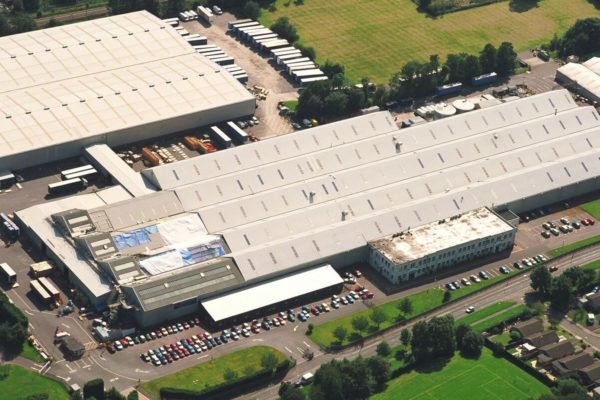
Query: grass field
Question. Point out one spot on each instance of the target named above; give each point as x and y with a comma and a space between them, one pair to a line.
375, 38
486, 378
574, 246
422, 302
486, 312
592, 208
244, 362
503, 316
22, 383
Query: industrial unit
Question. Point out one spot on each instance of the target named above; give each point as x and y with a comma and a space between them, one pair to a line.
583, 79
115, 80
236, 219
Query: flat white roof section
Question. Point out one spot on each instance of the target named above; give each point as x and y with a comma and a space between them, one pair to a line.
272, 292
109, 80
437, 236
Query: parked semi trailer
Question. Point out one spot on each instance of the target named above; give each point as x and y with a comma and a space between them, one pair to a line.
67, 186
232, 24
236, 132
485, 79
450, 88
219, 136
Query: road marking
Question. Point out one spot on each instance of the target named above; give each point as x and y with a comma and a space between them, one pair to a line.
306, 344
258, 340
70, 368
300, 350
141, 371
296, 327
107, 370
285, 347
201, 357
65, 325
116, 378
28, 312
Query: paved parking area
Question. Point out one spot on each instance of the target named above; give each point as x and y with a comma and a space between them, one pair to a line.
260, 72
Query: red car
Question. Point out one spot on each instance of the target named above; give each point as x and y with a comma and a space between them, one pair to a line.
314, 311
186, 325
368, 295
359, 288
158, 333
197, 321
255, 329
124, 343
111, 348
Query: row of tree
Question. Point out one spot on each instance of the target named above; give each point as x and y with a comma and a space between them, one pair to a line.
580, 39
561, 289
94, 390
170, 9
345, 380
13, 327
439, 337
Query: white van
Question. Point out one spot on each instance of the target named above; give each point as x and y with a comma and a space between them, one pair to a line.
591, 318
307, 378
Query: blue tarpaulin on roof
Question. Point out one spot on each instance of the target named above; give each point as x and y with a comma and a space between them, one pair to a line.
135, 238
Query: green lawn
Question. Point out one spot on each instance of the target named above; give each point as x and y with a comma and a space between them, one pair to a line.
31, 353
291, 104
486, 312
503, 338
503, 316
486, 378
202, 376
592, 208
375, 38
594, 265
422, 302
574, 246
22, 383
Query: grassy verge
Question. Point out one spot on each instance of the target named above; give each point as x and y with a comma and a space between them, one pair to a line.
486, 312
22, 383
421, 302
460, 378
495, 320
594, 265
30, 353
592, 208
574, 246
291, 104
244, 363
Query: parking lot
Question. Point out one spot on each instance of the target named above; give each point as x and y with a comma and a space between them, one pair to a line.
260, 72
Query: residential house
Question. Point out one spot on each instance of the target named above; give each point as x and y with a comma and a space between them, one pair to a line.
572, 363
542, 339
590, 375
529, 327
554, 351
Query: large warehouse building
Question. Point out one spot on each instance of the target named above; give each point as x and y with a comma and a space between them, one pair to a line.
583, 79
315, 199
115, 80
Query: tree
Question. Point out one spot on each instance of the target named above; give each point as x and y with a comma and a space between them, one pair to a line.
383, 349
230, 374
268, 361
541, 279
53, 22
405, 336
94, 388
471, 344
335, 104
4, 25
455, 66
360, 323
251, 10
283, 28
507, 58
472, 68
568, 386
174, 7
331, 69
356, 100
487, 58
309, 105
461, 330
378, 316
379, 368
560, 294
442, 335
310, 329
447, 296
76, 395
340, 333
405, 305
581, 279
289, 392
306, 51
329, 383
133, 395
420, 341
17, 6
581, 38
31, 5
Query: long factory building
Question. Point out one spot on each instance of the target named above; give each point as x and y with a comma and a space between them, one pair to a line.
115, 80
226, 224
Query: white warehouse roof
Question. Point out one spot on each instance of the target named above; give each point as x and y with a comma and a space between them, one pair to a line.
586, 75
272, 292
77, 82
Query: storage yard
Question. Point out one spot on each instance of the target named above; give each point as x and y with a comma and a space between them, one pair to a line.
346, 30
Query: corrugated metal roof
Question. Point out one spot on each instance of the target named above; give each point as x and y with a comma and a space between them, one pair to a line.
86, 79
585, 77
272, 292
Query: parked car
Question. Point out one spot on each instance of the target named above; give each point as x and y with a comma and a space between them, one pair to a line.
545, 234
450, 286
368, 295
564, 220
475, 279
217, 10
465, 282
111, 348
554, 231
357, 273
484, 275
504, 270
517, 265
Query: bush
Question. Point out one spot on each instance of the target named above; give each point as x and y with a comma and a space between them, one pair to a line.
133, 395
383, 349
514, 336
